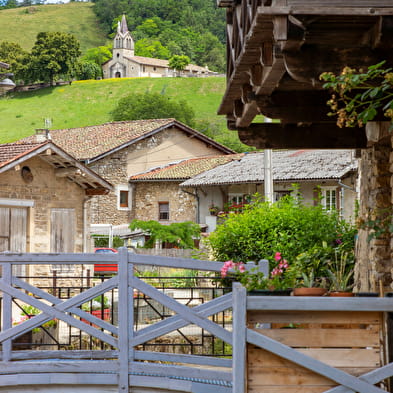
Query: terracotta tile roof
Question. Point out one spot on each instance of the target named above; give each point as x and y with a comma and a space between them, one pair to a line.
288, 165
12, 154
164, 63
92, 142
184, 169
12, 151
149, 61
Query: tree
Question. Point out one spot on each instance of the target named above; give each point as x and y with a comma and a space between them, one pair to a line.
52, 55
147, 47
88, 70
179, 62
98, 55
180, 233
13, 54
152, 106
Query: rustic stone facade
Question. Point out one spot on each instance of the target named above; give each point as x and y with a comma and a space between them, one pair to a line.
182, 205
45, 192
159, 149
374, 268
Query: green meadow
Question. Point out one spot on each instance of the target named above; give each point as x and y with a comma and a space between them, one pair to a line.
21, 25
90, 102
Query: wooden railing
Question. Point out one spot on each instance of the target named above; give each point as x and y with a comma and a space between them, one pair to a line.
122, 365
334, 366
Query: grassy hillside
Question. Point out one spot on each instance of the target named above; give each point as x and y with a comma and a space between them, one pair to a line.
90, 102
21, 25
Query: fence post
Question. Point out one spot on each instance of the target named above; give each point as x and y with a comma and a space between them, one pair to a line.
7, 311
125, 319
239, 308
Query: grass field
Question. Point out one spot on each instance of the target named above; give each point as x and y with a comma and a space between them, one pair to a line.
21, 25
90, 102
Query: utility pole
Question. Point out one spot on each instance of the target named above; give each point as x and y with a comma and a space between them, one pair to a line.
268, 172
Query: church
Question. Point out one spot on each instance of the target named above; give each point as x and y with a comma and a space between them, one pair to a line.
125, 64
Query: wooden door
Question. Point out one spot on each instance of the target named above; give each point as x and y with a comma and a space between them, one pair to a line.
62, 235
13, 233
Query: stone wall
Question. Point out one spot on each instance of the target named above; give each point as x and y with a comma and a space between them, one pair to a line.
161, 148
374, 268
47, 191
103, 208
182, 206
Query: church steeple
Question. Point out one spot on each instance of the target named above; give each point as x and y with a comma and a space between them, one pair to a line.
123, 25
123, 43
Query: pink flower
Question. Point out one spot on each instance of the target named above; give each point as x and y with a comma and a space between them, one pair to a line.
278, 256
242, 268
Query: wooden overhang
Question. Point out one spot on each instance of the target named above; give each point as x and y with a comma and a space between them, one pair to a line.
276, 51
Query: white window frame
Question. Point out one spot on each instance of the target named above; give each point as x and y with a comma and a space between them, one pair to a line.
238, 196
327, 199
163, 203
119, 189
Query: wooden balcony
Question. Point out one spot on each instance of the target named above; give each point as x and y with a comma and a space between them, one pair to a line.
276, 51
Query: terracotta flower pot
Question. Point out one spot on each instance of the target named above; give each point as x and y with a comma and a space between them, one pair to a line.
305, 291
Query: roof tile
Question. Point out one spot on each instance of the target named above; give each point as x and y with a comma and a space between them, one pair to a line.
184, 169
288, 165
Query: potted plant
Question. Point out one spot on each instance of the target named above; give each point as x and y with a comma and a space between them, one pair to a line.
309, 286
340, 275
213, 210
280, 281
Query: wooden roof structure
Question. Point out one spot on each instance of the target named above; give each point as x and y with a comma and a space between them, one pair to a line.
276, 51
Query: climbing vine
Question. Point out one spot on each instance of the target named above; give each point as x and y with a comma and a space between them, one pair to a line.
358, 95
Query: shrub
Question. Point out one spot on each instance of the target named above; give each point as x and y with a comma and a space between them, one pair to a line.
288, 227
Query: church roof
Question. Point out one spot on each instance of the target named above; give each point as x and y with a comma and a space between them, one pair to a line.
164, 63
92, 143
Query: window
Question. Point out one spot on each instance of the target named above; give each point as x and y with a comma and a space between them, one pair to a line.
329, 198
235, 199
280, 194
123, 198
163, 210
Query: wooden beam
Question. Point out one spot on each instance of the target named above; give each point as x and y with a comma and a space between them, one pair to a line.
319, 10
96, 191
64, 172
312, 136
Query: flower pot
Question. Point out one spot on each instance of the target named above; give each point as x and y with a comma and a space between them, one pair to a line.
305, 291
268, 292
341, 294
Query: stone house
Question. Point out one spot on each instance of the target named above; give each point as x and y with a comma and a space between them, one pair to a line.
125, 64
35, 216
186, 190
325, 176
159, 197
119, 150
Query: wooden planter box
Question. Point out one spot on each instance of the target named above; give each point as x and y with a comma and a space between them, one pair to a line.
346, 340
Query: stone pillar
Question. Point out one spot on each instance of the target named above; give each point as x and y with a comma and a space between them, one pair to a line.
374, 267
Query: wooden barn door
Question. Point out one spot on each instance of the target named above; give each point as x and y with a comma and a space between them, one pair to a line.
13, 232
63, 234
